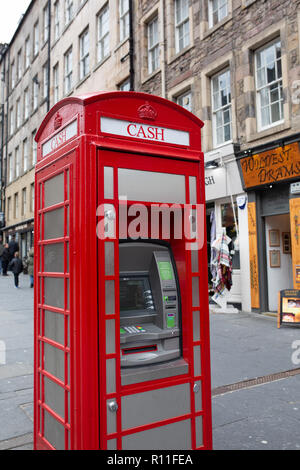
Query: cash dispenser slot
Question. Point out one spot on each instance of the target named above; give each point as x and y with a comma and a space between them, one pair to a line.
150, 326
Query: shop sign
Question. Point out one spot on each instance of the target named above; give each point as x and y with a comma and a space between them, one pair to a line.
289, 306
272, 166
60, 138
144, 131
215, 183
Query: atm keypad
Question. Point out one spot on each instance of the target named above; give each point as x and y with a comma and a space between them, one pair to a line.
132, 329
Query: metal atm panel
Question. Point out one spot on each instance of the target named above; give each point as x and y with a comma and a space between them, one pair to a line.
150, 325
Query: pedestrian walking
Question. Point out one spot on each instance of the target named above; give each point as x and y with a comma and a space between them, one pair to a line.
1, 253
30, 265
5, 260
13, 247
16, 266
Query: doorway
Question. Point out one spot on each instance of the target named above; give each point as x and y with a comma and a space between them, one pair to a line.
279, 257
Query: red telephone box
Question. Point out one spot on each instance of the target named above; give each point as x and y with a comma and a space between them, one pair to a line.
122, 358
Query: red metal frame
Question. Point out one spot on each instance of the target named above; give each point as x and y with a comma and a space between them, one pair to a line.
83, 157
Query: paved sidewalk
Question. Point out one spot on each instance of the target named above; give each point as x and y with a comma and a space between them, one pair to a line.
16, 375
266, 416
243, 346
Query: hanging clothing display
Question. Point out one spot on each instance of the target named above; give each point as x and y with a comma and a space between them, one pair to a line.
222, 264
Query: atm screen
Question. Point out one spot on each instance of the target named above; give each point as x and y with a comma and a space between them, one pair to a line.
135, 294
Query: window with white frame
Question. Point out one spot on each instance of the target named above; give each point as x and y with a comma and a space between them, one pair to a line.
10, 167
34, 148
56, 20
16, 205
17, 162
32, 197
19, 65
24, 202
185, 100
221, 108
26, 104
13, 75
68, 11
124, 19
45, 24
35, 39
45, 80
217, 10
18, 113
35, 92
9, 208
103, 33
182, 25
68, 71
125, 86
153, 45
55, 83
27, 53
12, 121
269, 85
25, 155
84, 59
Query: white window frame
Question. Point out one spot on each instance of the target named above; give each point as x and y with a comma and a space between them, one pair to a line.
153, 45
24, 201
45, 80
16, 205
45, 24
267, 86
32, 197
56, 83
34, 148
103, 47
25, 155
10, 167
125, 86
56, 20
17, 162
220, 110
217, 11
182, 25
18, 113
68, 71
36, 39
84, 54
35, 93
26, 104
13, 74
19, 64
12, 121
69, 11
187, 95
124, 19
27, 53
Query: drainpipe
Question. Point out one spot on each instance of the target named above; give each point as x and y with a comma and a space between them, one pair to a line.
131, 46
162, 49
49, 54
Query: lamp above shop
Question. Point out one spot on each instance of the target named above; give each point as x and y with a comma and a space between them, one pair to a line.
212, 165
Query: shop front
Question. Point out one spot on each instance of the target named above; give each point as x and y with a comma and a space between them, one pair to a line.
226, 209
271, 178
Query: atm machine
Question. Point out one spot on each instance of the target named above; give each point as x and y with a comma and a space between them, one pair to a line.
150, 312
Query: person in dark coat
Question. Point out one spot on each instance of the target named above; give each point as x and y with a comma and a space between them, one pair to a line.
5, 260
13, 247
16, 266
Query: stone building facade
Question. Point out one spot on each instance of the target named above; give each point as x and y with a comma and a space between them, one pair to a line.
233, 63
